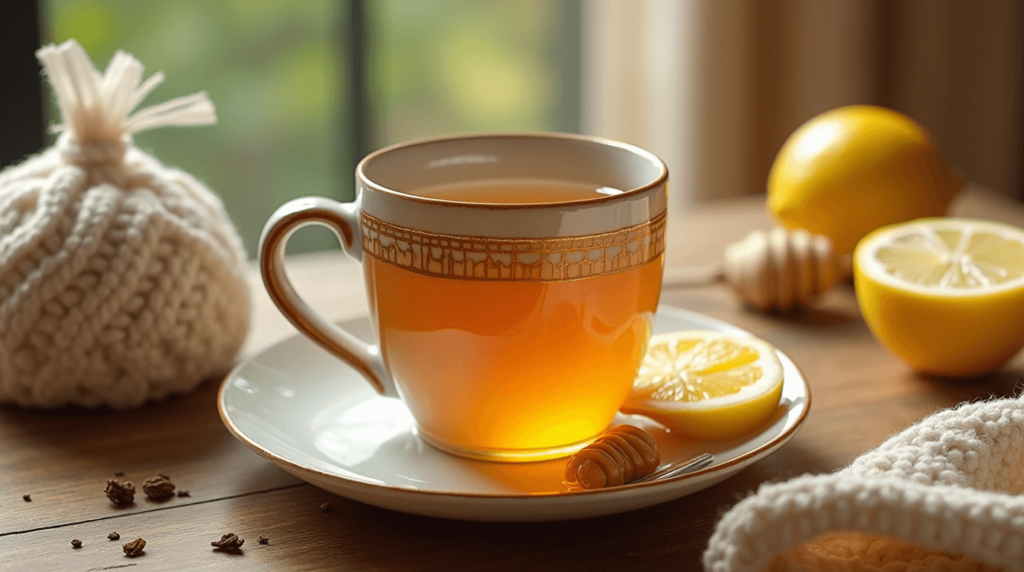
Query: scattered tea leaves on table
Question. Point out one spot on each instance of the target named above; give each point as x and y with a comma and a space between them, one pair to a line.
228, 542
134, 548
114, 536
76, 543
184, 493
326, 507
159, 487
118, 473
120, 493
26, 498
263, 540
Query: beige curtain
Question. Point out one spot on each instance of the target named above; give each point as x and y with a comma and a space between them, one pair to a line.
716, 86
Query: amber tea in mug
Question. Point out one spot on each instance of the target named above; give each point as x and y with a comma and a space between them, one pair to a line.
512, 282
490, 349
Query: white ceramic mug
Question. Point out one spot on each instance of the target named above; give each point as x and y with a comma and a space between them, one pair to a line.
512, 330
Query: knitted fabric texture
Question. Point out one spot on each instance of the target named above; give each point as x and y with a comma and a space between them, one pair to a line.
121, 280
944, 494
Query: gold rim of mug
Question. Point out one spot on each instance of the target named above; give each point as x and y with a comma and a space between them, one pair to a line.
654, 159
518, 271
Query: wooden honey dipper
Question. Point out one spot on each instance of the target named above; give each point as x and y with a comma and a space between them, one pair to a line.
620, 455
776, 270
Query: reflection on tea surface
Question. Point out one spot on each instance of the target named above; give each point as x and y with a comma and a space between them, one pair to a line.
515, 191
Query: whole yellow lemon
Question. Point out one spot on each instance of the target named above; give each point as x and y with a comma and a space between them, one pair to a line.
853, 169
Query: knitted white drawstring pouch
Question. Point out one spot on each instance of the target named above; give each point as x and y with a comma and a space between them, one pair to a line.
945, 494
121, 280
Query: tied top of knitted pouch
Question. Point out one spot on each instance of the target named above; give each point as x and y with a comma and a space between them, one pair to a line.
944, 494
122, 280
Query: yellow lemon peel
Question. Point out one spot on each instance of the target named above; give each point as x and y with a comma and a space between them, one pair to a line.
707, 385
853, 169
945, 295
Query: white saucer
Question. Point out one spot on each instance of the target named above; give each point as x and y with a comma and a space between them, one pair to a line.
316, 418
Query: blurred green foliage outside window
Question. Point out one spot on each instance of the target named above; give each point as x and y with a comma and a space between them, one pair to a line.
276, 71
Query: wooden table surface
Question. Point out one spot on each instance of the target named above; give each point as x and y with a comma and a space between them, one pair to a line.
63, 458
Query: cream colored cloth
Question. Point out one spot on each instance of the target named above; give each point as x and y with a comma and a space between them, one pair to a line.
944, 494
121, 280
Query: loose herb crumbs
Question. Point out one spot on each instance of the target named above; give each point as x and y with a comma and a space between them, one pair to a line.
159, 487
120, 493
228, 542
134, 548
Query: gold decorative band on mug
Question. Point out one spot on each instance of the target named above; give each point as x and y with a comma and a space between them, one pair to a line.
514, 259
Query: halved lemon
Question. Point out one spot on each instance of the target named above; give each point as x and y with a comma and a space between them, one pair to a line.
944, 294
708, 385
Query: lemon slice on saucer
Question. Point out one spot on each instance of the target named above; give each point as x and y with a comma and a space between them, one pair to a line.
708, 385
944, 294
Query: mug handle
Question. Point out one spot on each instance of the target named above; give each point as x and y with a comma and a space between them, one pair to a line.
343, 219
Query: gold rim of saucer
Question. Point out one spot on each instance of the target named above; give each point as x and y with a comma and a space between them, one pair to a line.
358, 487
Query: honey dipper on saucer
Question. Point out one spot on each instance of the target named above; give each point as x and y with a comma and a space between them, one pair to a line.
620, 455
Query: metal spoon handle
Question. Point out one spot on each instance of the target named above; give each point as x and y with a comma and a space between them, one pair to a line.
678, 468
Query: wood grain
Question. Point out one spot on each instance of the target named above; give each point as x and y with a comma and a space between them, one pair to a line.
63, 459
861, 395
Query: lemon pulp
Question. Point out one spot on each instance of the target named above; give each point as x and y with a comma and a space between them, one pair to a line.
952, 258
707, 385
945, 295
693, 370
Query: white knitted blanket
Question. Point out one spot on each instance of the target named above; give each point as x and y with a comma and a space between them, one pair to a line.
944, 494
